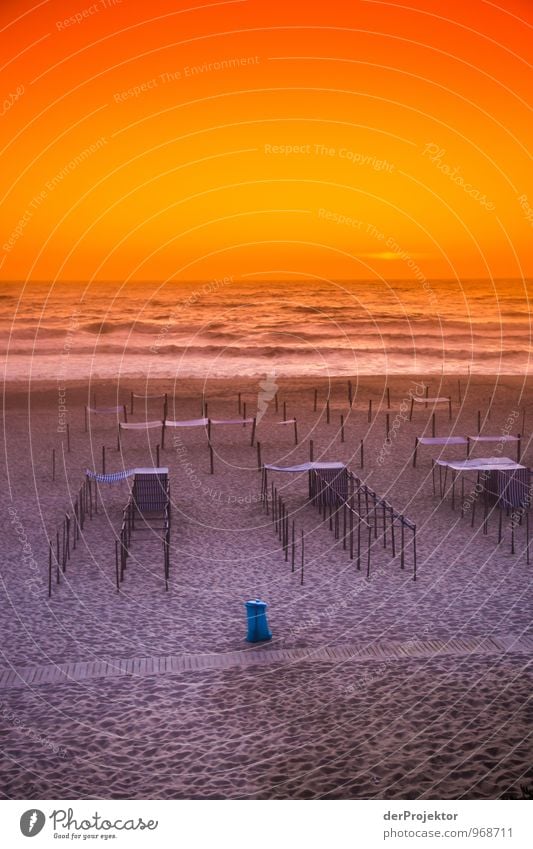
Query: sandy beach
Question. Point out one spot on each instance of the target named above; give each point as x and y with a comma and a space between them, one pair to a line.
266, 287
379, 687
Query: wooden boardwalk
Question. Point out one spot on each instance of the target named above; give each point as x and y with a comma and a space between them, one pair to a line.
265, 655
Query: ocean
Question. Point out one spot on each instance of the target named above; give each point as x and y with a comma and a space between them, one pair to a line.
225, 327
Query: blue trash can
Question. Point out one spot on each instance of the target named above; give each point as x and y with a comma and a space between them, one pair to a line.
258, 629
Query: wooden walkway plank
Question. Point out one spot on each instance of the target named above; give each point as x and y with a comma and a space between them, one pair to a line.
79, 671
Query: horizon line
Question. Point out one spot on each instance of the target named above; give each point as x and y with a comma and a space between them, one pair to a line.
271, 280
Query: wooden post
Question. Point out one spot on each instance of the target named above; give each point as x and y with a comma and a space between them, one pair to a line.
205, 415
351, 531
284, 411
211, 460
387, 425
53, 464
450, 408
103, 459
327, 411
49, 568
117, 571
65, 554
163, 433
259, 464
342, 428
68, 438
302, 559
244, 413
414, 552
263, 488
157, 455
370, 410
433, 424
67, 519
295, 432
427, 395
254, 423
125, 412
131, 403
350, 393
388, 397
316, 401
479, 421
276, 402
527, 538
368, 551
311, 451
344, 526
293, 547
362, 457
57, 557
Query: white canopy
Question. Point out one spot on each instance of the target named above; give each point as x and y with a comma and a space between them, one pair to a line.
231, 421
507, 437
481, 464
187, 423
106, 409
442, 440
204, 422
139, 425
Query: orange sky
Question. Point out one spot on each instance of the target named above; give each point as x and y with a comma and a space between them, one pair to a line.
327, 141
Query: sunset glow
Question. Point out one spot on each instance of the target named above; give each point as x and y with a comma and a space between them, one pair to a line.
354, 140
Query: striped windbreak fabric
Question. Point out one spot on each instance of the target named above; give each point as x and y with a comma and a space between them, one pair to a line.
510, 488
150, 492
112, 477
330, 484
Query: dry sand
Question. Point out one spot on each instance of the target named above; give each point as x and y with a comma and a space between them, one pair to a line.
450, 726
